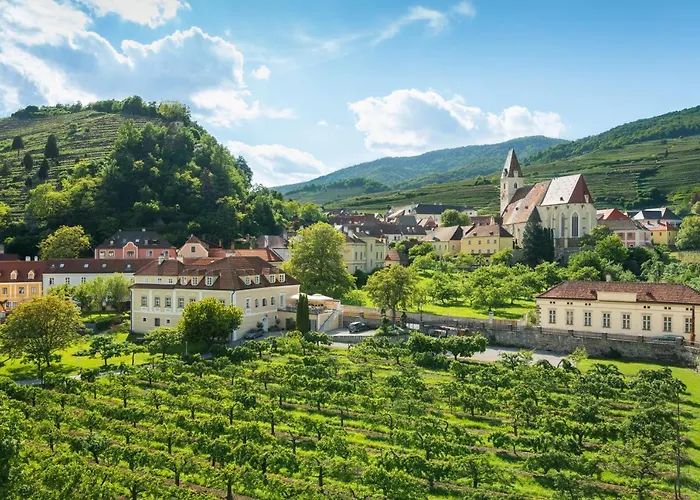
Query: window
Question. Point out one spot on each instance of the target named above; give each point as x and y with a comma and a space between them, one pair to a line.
257, 303
195, 281
83, 279
32, 290
272, 278
111, 253
193, 249
192, 300
143, 319
167, 321
102, 254
149, 253
181, 302
569, 317
688, 325
257, 279
156, 302
282, 299
170, 281
646, 322
30, 275
20, 290
552, 316
168, 302
183, 280
667, 324
264, 302
67, 281
562, 230
130, 254
210, 281
52, 281
13, 275
587, 318
157, 321
159, 280
272, 301
247, 303
144, 301
282, 278
247, 280
606, 320
626, 321
4, 290
574, 226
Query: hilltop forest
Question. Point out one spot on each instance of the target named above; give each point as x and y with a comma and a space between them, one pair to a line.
125, 164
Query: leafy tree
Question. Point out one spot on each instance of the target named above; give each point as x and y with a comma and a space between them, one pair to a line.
538, 245
43, 172
51, 149
118, 293
423, 248
28, 162
17, 144
689, 234
588, 241
391, 287
67, 242
452, 217
106, 346
37, 329
465, 346
445, 288
209, 320
504, 256
612, 249
303, 323
163, 338
317, 261
420, 298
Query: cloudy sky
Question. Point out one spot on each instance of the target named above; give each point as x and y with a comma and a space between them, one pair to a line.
302, 88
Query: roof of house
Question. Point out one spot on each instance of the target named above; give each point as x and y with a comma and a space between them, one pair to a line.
429, 209
567, 189
142, 239
271, 241
23, 268
482, 220
524, 203
229, 273
662, 226
665, 293
427, 222
397, 257
265, 254
625, 224
512, 165
449, 233
489, 230
90, 266
193, 240
610, 214
661, 213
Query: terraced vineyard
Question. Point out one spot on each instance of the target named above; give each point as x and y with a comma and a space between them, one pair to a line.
290, 419
86, 135
621, 177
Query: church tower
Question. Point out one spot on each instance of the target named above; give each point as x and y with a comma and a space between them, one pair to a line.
511, 179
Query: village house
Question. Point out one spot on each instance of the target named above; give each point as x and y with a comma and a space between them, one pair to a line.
631, 232
194, 248
655, 216
163, 288
74, 272
663, 233
446, 240
141, 244
563, 204
486, 240
647, 309
19, 281
365, 248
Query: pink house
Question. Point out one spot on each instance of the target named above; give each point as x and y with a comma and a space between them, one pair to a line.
135, 245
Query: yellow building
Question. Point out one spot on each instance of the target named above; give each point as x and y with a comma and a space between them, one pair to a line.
363, 251
162, 290
663, 234
486, 240
446, 240
19, 281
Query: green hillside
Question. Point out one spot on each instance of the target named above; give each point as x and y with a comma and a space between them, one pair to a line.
634, 165
337, 190
470, 160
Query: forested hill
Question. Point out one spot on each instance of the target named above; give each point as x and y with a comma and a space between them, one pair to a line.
127, 164
471, 160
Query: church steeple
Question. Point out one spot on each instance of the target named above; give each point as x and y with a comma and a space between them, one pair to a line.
511, 179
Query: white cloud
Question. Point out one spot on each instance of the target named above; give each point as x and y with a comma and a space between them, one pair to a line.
435, 20
229, 106
465, 8
9, 98
322, 123
275, 164
410, 121
153, 13
261, 73
40, 22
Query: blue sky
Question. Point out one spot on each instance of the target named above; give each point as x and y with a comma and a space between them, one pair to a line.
304, 88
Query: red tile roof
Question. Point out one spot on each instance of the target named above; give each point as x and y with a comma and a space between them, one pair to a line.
490, 230
23, 268
264, 253
664, 293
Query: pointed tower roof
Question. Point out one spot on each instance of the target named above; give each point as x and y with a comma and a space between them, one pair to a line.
512, 165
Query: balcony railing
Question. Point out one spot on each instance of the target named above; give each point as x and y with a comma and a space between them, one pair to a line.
316, 310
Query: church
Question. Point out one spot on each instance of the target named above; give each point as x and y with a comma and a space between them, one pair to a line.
563, 205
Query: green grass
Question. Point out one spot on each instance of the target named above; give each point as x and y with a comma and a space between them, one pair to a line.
687, 257
89, 317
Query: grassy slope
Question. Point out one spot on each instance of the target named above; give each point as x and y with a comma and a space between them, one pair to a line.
95, 136
615, 177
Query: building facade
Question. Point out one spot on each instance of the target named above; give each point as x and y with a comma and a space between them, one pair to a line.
486, 240
631, 232
164, 287
446, 240
563, 204
663, 233
141, 244
646, 309
20, 281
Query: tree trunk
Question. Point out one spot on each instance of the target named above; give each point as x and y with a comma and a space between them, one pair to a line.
229, 490
177, 479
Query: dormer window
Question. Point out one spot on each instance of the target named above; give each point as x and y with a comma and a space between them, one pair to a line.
282, 278
195, 281
257, 279
61, 265
86, 266
210, 281
30, 275
247, 280
13, 275
272, 278
183, 280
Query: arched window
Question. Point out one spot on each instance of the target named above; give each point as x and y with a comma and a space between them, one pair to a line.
264, 302
515, 186
562, 230
574, 226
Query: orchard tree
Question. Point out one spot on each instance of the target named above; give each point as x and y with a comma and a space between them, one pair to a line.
611, 248
452, 217
37, 329
67, 242
420, 298
465, 346
106, 346
317, 261
163, 338
391, 288
209, 320
17, 144
51, 149
445, 288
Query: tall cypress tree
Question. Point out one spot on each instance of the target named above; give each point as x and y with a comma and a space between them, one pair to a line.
538, 244
303, 321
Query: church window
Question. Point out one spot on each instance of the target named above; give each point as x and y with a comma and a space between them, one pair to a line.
562, 232
574, 226
515, 186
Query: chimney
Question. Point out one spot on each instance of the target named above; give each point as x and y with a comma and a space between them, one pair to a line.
608, 278
36, 258
143, 229
267, 241
27, 258
161, 259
